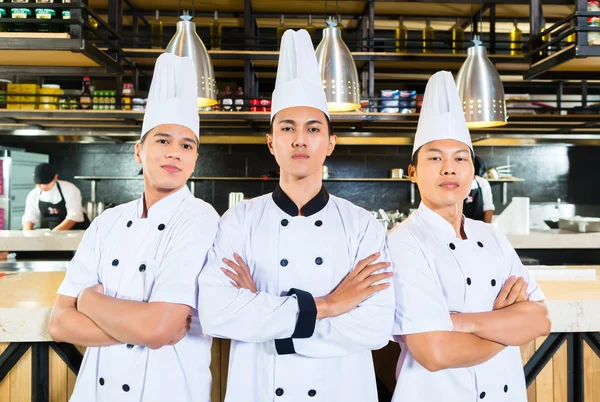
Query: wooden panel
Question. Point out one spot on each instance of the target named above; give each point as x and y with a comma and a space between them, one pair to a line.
4, 384
544, 390
215, 369
592, 375
20, 379
526, 353
308, 6
225, 348
559, 363
71, 377
51, 58
58, 378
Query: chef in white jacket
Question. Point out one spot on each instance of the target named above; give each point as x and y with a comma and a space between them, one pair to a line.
464, 301
129, 294
290, 273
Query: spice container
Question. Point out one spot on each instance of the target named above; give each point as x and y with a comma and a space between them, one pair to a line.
3, 93
29, 94
138, 104
49, 95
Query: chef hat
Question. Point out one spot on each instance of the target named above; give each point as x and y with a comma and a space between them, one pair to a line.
173, 96
298, 80
442, 116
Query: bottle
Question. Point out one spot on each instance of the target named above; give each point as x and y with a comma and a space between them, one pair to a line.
127, 95
156, 28
544, 52
227, 101
20, 13
458, 37
428, 35
66, 15
310, 28
401, 36
45, 14
2, 15
280, 30
516, 39
85, 100
216, 32
239, 100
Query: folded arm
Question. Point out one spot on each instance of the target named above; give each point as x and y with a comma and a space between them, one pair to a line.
440, 350
69, 325
150, 324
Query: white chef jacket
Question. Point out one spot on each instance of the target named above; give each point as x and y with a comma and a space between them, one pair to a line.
156, 259
435, 273
278, 351
72, 200
486, 192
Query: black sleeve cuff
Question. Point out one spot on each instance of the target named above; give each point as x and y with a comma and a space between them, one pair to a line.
307, 316
305, 325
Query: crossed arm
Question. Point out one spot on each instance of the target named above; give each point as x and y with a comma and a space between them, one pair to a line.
440, 340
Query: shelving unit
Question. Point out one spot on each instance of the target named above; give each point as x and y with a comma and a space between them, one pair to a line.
95, 179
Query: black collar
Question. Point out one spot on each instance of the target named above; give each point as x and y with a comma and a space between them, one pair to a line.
288, 206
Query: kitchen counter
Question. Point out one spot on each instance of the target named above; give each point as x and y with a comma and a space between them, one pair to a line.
26, 299
39, 240
45, 240
555, 239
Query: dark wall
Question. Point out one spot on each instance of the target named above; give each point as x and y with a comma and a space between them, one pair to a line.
550, 172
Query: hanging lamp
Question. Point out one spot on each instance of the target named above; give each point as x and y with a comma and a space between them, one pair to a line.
480, 89
186, 42
338, 71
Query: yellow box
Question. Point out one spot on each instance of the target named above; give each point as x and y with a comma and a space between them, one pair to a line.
13, 102
29, 94
49, 94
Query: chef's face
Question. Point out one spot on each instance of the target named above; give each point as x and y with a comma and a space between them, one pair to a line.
168, 156
48, 186
300, 141
444, 173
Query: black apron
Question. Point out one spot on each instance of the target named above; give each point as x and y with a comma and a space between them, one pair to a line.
473, 204
54, 214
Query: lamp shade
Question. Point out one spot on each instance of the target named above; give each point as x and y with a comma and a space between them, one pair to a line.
480, 90
338, 72
186, 42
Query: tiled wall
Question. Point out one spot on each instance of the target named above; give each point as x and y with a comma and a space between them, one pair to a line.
550, 172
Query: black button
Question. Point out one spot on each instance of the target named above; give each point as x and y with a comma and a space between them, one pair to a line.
142, 268
284, 222
115, 262
278, 392
125, 387
129, 346
161, 226
493, 282
284, 262
101, 381
129, 224
506, 388
312, 392
480, 244
468, 281
318, 224
318, 261
482, 395
452, 246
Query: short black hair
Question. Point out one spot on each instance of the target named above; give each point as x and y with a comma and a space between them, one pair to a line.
415, 158
329, 125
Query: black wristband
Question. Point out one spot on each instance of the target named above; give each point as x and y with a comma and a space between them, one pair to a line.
307, 315
305, 325
285, 346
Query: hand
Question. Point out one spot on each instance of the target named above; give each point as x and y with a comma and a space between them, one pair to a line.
359, 284
241, 279
183, 330
99, 288
513, 291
